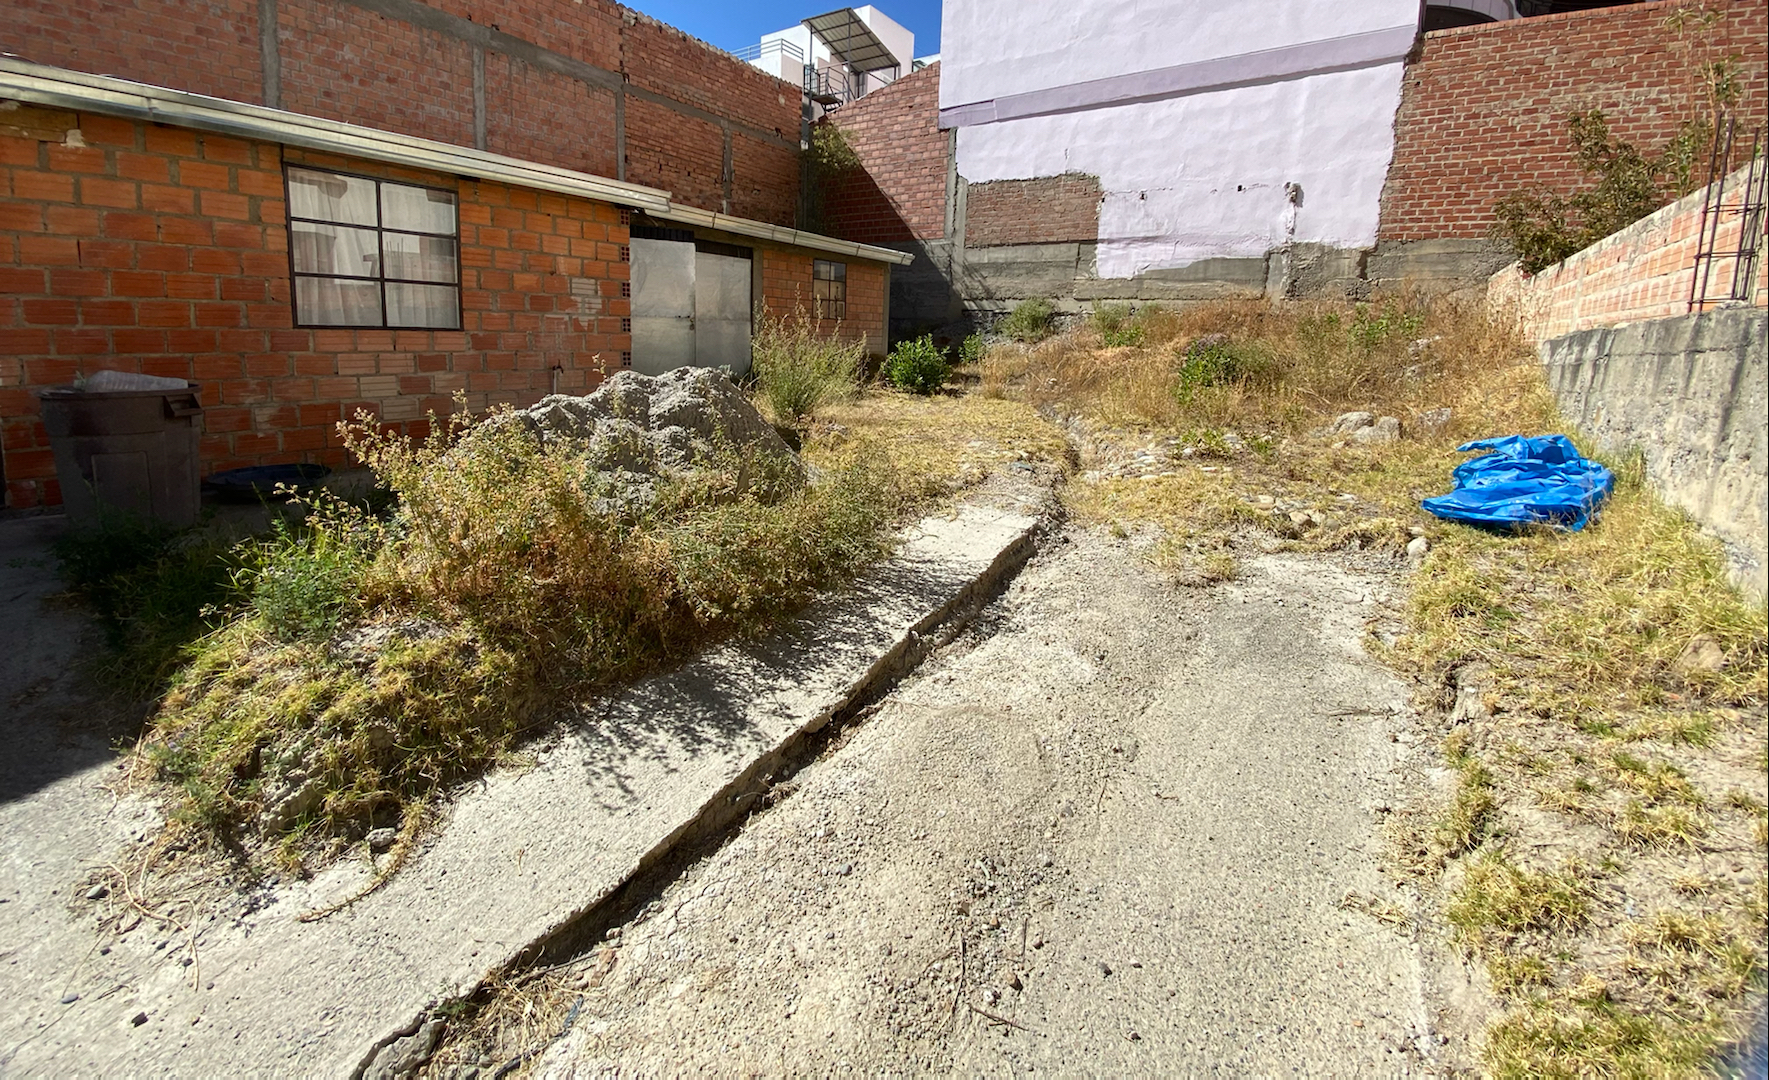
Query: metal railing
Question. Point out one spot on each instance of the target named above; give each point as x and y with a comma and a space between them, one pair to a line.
781, 46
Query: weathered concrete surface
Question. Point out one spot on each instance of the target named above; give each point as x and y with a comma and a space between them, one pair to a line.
520, 855
55, 815
1691, 394
1108, 832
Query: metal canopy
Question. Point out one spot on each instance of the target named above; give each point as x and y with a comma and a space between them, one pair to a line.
851, 41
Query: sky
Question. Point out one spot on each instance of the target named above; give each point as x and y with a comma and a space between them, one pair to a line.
732, 24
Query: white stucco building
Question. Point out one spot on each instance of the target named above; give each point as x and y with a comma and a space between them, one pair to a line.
1216, 128
839, 55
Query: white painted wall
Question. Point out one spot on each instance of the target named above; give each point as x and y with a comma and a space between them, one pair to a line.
896, 37
1189, 177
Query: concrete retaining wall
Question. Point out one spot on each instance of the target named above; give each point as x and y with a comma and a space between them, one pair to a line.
1690, 393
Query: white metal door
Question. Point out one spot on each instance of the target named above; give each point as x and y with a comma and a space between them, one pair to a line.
663, 305
721, 312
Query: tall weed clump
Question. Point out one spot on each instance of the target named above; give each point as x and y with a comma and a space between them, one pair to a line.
798, 371
374, 661
1029, 321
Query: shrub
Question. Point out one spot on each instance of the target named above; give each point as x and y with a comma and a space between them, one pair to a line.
917, 365
506, 578
305, 582
1545, 226
1215, 360
798, 370
1028, 321
1117, 325
971, 352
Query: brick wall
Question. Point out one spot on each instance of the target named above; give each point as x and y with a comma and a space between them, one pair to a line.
899, 193
1642, 272
208, 46
786, 291
1484, 108
1043, 211
563, 80
162, 250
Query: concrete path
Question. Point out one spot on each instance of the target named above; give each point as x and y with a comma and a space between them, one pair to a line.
1109, 832
256, 990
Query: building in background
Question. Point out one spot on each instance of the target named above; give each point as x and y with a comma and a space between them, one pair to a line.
838, 56
1088, 151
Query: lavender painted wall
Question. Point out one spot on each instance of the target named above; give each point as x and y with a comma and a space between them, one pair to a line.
1201, 172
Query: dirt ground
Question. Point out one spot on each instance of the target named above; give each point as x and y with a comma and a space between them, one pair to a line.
1116, 827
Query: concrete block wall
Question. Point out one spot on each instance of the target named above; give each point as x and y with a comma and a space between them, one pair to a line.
1691, 394
1642, 272
584, 84
162, 250
1484, 109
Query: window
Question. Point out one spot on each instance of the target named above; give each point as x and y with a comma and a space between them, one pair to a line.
829, 283
366, 252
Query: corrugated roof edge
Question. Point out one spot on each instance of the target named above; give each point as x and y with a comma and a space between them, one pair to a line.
41, 84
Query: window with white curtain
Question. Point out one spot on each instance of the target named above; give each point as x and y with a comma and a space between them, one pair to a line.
368, 252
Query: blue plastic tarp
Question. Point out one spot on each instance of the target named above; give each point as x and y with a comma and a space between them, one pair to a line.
1520, 480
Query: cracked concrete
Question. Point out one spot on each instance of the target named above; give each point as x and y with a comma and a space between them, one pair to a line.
1112, 829
252, 988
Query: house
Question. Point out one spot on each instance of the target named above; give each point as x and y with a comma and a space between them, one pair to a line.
319, 207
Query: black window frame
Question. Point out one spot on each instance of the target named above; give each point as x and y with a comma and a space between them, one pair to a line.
837, 306
380, 277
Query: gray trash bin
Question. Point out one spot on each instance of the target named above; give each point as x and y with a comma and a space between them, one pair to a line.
132, 451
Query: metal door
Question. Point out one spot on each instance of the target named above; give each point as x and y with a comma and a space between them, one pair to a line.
721, 312
663, 305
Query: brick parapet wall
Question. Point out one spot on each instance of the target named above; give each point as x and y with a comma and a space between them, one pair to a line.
1047, 210
163, 251
899, 193
552, 73
1642, 272
1484, 108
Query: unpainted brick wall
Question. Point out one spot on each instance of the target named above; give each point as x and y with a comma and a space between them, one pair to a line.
1484, 108
162, 250
787, 293
1042, 211
208, 46
900, 192
341, 60
1642, 272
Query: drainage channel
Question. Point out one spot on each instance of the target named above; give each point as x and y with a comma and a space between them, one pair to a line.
763, 785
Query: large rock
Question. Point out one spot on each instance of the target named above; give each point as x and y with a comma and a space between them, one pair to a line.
639, 429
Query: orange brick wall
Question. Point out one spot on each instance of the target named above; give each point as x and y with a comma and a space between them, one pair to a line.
899, 193
552, 74
1643, 272
162, 250
1484, 108
786, 292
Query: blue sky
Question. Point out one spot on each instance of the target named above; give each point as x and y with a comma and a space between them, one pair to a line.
733, 24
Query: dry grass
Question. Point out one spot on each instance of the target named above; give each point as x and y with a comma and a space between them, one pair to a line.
1599, 745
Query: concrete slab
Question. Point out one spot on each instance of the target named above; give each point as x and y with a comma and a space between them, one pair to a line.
521, 855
